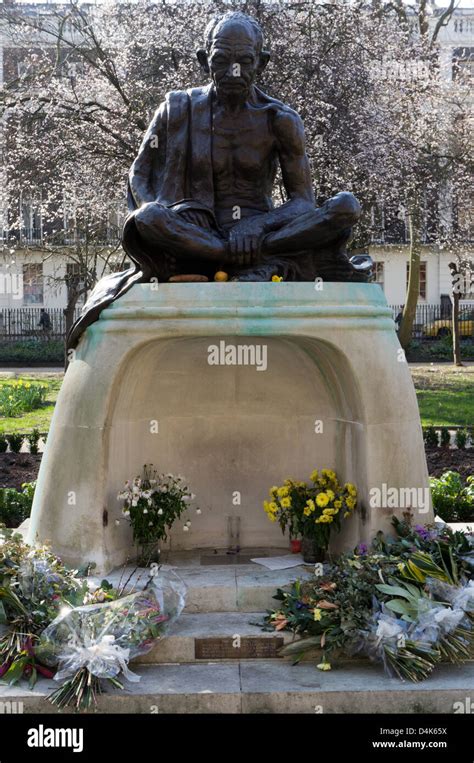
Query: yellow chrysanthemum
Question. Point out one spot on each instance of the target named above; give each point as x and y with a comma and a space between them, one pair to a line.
329, 474
330, 494
317, 614
338, 505
282, 492
347, 514
322, 500
273, 491
314, 475
286, 502
329, 512
351, 489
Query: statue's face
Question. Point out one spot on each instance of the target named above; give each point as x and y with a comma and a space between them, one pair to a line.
233, 60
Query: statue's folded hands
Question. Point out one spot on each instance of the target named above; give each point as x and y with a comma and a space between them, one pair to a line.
245, 240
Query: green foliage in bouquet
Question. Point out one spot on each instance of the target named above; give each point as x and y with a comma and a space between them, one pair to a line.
406, 602
34, 585
53, 623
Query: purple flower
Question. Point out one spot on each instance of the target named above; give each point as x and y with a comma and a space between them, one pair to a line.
362, 549
422, 532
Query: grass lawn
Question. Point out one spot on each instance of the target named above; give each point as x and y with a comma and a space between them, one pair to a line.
445, 394
40, 418
445, 397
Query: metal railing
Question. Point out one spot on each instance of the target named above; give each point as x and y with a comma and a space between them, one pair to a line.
20, 323
434, 321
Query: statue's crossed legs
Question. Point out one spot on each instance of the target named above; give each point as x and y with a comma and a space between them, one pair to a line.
321, 233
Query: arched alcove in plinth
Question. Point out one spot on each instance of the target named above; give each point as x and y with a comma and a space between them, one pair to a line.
231, 430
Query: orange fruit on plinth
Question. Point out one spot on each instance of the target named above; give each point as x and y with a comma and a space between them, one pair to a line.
221, 275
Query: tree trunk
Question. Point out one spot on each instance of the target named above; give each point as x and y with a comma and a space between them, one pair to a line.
413, 288
455, 317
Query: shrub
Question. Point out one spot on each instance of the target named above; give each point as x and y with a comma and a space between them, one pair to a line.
460, 438
445, 438
16, 441
431, 437
3, 444
33, 351
15, 505
452, 500
33, 439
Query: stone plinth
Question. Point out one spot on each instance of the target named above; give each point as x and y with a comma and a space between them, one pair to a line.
335, 393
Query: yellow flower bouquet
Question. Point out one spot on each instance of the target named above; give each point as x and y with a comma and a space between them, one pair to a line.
312, 510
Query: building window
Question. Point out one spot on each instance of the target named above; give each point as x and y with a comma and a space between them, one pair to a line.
33, 284
379, 270
422, 292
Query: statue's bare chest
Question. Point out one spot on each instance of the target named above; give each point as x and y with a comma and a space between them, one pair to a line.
242, 145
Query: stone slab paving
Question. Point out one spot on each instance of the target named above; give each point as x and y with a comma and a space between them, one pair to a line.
222, 588
269, 686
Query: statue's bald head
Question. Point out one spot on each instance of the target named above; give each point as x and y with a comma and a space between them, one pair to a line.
232, 20
234, 53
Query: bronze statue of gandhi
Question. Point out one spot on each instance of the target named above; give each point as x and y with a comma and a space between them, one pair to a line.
201, 186
200, 189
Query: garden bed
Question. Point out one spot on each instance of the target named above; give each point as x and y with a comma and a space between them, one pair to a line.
441, 460
16, 468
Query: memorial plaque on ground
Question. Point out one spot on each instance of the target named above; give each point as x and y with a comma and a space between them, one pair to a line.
224, 648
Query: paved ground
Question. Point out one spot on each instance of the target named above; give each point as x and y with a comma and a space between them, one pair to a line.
11, 372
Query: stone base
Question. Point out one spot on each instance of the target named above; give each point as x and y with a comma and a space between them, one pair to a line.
335, 393
222, 602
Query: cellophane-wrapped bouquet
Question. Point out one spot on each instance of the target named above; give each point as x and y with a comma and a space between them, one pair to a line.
92, 644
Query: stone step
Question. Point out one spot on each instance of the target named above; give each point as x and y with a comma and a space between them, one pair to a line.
222, 588
268, 686
193, 638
